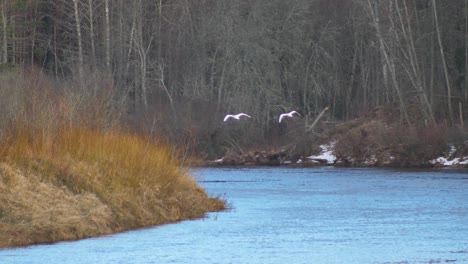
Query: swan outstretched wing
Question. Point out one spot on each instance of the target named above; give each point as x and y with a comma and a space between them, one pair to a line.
281, 117
227, 117
242, 114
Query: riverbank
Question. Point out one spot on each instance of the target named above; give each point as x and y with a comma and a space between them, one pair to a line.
378, 139
82, 183
327, 157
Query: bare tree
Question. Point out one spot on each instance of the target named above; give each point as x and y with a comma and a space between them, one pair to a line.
79, 41
444, 65
410, 54
4, 32
389, 63
410, 62
107, 27
143, 48
91, 31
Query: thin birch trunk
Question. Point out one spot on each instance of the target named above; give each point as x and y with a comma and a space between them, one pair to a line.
14, 47
432, 63
444, 65
33, 35
220, 89
460, 109
106, 3
4, 34
169, 96
130, 48
79, 40
143, 53
55, 51
91, 32
160, 7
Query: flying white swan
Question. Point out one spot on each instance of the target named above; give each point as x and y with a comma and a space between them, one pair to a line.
235, 116
290, 114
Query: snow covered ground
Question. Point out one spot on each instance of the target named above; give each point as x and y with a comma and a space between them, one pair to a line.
448, 161
445, 162
327, 157
326, 154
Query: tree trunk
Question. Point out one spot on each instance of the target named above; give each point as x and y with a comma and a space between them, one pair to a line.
106, 2
33, 35
460, 109
55, 51
444, 65
349, 89
160, 7
220, 90
15, 46
91, 32
432, 64
143, 53
79, 40
4, 33
130, 48
169, 96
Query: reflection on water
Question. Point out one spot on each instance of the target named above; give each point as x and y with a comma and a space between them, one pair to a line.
313, 215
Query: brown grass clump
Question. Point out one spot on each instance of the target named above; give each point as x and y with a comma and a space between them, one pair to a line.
80, 182
32, 211
68, 171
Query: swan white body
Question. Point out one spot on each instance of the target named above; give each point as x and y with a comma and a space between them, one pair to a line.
238, 116
290, 114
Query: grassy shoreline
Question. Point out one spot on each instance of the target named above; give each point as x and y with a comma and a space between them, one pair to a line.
79, 183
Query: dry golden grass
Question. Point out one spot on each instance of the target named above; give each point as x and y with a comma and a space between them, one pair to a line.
74, 183
36, 212
67, 171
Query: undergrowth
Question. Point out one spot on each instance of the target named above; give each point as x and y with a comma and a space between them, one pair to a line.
81, 182
67, 174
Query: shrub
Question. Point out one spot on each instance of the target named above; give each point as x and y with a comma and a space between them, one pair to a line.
391, 143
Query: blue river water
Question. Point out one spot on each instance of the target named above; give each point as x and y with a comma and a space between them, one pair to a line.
296, 215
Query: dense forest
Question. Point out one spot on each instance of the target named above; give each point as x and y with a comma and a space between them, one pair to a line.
176, 67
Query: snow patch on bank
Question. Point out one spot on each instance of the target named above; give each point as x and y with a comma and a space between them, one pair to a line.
219, 161
448, 161
326, 153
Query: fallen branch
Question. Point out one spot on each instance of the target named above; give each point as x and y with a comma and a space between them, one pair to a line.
311, 127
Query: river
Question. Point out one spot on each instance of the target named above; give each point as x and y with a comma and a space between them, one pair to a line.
297, 215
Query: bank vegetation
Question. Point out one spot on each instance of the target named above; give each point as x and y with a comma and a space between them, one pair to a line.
70, 171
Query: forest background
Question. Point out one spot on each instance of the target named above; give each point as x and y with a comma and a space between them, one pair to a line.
176, 67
